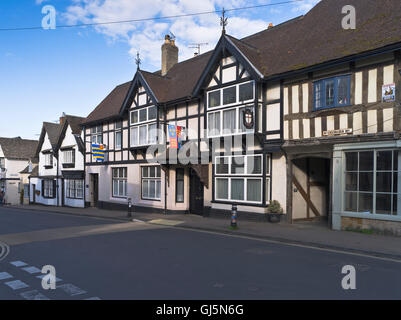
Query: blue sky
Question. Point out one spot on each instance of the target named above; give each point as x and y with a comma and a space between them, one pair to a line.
47, 72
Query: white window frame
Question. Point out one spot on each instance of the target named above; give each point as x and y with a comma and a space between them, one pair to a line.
245, 176
237, 96
97, 135
48, 159
229, 178
68, 156
230, 161
148, 178
148, 142
118, 131
147, 116
118, 179
237, 119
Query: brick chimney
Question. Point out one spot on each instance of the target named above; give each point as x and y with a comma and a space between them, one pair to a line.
169, 54
62, 118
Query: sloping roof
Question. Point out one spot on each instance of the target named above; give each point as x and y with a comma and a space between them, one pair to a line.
18, 148
319, 36
53, 131
297, 44
75, 123
111, 105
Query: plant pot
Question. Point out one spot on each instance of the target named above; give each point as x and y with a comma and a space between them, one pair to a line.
274, 217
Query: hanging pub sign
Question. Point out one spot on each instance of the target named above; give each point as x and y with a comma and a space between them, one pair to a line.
388, 93
248, 118
174, 133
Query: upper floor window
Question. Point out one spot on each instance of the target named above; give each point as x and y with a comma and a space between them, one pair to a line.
332, 92
239, 93
143, 115
48, 159
228, 121
69, 156
118, 135
97, 135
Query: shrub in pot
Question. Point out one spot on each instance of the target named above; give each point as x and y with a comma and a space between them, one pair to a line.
274, 211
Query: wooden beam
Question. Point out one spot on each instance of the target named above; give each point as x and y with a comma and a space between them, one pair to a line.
305, 196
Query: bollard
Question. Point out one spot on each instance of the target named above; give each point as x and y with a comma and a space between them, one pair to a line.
234, 216
129, 208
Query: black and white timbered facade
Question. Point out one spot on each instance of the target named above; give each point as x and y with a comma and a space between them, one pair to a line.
310, 121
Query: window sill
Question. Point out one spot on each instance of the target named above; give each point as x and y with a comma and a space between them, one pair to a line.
48, 167
150, 199
68, 165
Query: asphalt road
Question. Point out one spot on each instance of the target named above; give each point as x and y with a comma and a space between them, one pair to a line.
103, 259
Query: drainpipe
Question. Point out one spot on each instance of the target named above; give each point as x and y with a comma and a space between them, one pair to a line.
289, 187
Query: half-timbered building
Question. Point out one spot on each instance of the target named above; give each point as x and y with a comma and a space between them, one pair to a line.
305, 112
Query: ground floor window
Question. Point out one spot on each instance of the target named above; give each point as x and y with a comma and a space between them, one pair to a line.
74, 189
179, 188
371, 181
48, 187
151, 182
119, 182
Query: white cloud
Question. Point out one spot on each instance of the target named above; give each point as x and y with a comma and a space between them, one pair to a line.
305, 6
147, 36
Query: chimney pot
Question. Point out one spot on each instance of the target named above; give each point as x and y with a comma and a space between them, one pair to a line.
270, 25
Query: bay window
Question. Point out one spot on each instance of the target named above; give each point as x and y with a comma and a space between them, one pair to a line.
119, 182
371, 181
151, 182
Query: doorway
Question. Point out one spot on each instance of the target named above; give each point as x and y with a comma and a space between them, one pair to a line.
196, 195
95, 190
311, 189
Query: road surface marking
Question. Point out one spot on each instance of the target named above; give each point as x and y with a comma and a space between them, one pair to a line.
33, 295
165, 222
5, 275
94, 298
71, 289
17, 284
4, 250
18, 264
31, 270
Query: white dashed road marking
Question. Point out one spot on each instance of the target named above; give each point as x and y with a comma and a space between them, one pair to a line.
17, 284
18, 264
5, 275
71, 289
33, 295
31, 270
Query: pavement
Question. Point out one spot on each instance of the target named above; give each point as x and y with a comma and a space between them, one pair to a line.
305, 234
